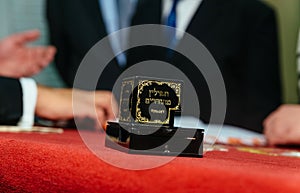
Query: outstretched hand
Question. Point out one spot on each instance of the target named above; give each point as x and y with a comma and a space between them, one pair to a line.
17, 59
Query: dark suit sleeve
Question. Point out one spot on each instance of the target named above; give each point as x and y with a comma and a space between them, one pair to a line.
75, 26
11, 105
55, 16
261, 72
241, 35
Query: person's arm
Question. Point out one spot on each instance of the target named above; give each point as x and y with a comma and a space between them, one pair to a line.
65, 104
18, 104
17, 59
283, 125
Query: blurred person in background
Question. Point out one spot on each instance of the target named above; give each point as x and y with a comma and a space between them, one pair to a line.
240, 35
21, 98
242, 38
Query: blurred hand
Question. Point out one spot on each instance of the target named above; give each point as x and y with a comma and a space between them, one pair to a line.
17, 59
283, 125
56, 104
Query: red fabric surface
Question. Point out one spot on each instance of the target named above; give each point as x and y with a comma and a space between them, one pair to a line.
62, 163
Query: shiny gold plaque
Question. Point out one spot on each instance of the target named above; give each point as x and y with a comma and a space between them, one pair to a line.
150, 101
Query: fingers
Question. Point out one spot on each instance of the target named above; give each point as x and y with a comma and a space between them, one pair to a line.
19, 60
44, 55
269, 121
37, 58
294, 135
111, 108
101, 119
24, 37
282, 126
106, 107
49, 54
274, 129
275, 135
100, 106
107, 101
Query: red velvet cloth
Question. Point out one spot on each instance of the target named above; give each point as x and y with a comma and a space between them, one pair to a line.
32, 162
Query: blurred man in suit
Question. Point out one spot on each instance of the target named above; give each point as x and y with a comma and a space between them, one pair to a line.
242, 38
21, 98
76, 26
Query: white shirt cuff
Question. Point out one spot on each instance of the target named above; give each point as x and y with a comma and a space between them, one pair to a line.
29, 89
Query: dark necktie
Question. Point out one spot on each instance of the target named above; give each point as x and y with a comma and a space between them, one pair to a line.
171, 20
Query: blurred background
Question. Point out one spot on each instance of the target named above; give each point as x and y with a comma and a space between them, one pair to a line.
20, 15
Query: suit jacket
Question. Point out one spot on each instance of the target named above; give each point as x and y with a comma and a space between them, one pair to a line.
75, 27
11, 104
241, 35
